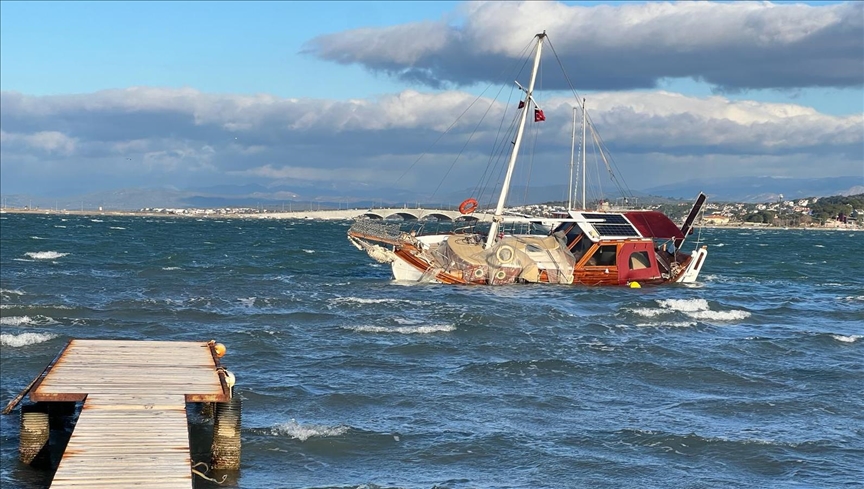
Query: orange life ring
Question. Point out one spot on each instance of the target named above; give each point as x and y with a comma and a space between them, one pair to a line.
468, 206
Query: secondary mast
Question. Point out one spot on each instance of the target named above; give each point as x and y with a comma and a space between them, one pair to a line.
502, 199
584, 141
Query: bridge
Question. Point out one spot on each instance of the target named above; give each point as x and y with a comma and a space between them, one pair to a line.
403, 213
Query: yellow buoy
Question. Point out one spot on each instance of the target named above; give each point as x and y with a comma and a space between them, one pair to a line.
220, 350
635, 285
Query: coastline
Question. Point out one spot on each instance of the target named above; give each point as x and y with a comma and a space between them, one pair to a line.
311, 215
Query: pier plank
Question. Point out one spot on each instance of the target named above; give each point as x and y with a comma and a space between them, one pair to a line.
132, 430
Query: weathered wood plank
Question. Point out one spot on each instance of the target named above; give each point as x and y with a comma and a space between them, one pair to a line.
132, 431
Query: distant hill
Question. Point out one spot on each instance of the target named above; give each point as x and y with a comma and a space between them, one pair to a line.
763, 189
749, 190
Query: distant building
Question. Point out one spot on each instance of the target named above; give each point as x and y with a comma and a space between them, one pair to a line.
716, 219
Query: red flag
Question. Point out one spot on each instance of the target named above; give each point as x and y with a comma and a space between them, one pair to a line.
539, 116
521, 104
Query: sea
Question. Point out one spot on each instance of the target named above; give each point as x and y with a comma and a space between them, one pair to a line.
753, 377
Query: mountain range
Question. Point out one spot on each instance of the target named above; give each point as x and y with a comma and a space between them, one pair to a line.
748, 190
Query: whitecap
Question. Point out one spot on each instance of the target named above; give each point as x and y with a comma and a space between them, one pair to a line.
719, 315
434, 328
720, 245
170, 268
24, 339
648, 312
37, 237
819, 246
684, 305
16, 320
247, 302
11, 291
25, 320
59, 226
45, 255
846, 339
309, 251
304, 432
670, 324
96, 220
116, 227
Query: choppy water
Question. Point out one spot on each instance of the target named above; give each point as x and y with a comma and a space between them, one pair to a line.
752, 378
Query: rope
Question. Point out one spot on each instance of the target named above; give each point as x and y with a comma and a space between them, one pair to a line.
207, 469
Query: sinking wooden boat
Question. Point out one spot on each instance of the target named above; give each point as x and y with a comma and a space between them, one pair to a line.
603, 247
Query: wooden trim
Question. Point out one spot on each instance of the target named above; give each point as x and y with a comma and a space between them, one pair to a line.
35, 382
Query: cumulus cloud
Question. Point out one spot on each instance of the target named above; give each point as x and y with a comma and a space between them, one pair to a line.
732, 46
157, 136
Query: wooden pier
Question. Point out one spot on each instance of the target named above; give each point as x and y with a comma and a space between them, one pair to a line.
132, 430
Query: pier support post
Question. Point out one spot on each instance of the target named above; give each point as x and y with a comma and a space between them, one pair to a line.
35, 431
226, 435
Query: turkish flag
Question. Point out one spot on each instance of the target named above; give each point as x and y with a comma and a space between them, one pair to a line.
539, 116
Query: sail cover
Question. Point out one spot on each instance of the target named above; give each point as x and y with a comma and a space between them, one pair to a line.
654, 224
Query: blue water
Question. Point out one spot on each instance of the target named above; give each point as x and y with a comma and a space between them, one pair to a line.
751, 378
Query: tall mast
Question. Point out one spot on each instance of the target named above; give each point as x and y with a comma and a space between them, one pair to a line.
583, 155
570, 190
499, 209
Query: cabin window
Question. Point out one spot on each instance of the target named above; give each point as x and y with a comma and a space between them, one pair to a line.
580, 246
604, 256
639, 260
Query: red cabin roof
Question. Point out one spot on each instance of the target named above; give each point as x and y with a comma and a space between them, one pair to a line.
654, 224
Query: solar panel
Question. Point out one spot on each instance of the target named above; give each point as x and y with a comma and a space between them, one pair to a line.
608, 218
616, 229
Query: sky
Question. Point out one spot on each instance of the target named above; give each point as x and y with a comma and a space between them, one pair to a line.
343, 96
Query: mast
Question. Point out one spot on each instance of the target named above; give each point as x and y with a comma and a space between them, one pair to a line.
505, 188
572, 153
583, 155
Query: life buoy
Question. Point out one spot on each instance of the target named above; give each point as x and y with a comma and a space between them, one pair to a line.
468, 206
505, 254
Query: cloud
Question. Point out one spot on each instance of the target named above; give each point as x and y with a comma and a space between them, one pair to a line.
182, 137
732, 46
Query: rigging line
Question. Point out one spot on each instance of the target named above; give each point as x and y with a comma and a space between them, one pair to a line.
561, 65
524, 50
494, 160
503, 142
501, 74
614, 163
614, 177
502, 152
477, 187
462, 150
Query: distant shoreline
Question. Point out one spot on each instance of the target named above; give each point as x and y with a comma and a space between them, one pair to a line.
307, 215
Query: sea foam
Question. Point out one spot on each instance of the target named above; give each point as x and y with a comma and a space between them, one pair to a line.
692, 308
433, 328
24, 339
45, 255
304, 432
846, 339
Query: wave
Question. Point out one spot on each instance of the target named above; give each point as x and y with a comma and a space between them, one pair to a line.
24, 339
116, 227
435, 328
45, 255
11, 292
37, 237
304, 432
693, 308
25, 320
363, 300
847, 339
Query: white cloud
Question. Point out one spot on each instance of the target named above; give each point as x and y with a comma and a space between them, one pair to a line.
733, 45
156, 135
